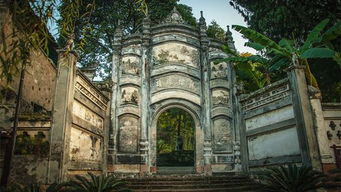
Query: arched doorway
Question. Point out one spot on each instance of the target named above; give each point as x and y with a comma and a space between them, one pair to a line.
175, 146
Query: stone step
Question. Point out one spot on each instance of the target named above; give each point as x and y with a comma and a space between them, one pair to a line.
189, 186
188, 178
156, 182
175, 170
195, 183
232, 189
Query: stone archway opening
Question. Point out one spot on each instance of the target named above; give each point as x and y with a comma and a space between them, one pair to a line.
175, 139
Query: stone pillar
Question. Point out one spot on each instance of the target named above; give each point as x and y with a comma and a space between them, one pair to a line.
327, 160
145, 96
62, 117
116, 58
205, 91
303, 116
236, 110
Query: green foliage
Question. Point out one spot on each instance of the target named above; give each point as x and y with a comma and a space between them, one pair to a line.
286, 19
294, 19
172, 125
283, 53
187, 14
291, 178
93, 183
215, 31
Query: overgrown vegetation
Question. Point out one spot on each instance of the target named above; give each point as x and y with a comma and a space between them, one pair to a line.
277, 56
291, 178
175, 138
294, 20
88, 183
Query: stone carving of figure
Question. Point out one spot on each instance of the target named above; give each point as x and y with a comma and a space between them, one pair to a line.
130, 96
125, 96
134, 97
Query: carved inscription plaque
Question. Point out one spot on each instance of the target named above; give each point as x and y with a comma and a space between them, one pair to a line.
87, 115
175, 53
222, 136
128, 134
175, 81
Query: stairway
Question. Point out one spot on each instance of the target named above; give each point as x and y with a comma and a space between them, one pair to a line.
333, 181
187, 183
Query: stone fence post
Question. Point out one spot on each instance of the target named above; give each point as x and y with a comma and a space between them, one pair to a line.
304, 116
62, 116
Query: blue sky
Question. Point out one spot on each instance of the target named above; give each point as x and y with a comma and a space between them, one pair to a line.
223, 14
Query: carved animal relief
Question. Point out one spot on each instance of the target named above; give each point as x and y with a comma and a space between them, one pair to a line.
218, 70
177, 53
130, 65
220, 97
130, 95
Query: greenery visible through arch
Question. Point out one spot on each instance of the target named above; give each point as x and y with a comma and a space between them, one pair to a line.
175, 138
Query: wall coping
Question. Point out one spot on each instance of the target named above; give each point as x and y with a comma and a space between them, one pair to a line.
264, 89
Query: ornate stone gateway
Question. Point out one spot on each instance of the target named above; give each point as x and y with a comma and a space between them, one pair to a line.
171, 65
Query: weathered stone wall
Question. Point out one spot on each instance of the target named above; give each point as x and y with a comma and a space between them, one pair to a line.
331, 131
86, 135
36, 104
270, 127
30, 160
38, 85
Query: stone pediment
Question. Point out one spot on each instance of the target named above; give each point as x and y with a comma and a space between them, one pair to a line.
174, 18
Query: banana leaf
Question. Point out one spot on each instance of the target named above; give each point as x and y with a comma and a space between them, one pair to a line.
262, 40
318, 53
256, 46
314, 35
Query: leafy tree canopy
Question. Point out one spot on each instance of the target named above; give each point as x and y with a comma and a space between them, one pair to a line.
215, 31
104, 20
292, 19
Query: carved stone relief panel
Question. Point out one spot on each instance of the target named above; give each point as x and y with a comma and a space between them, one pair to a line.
175, 53
87, 115
130, 65
219, 70
220, 97
175, 81
130, 95
85, 146
222, 134
128, 134
132, 49
91, 93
